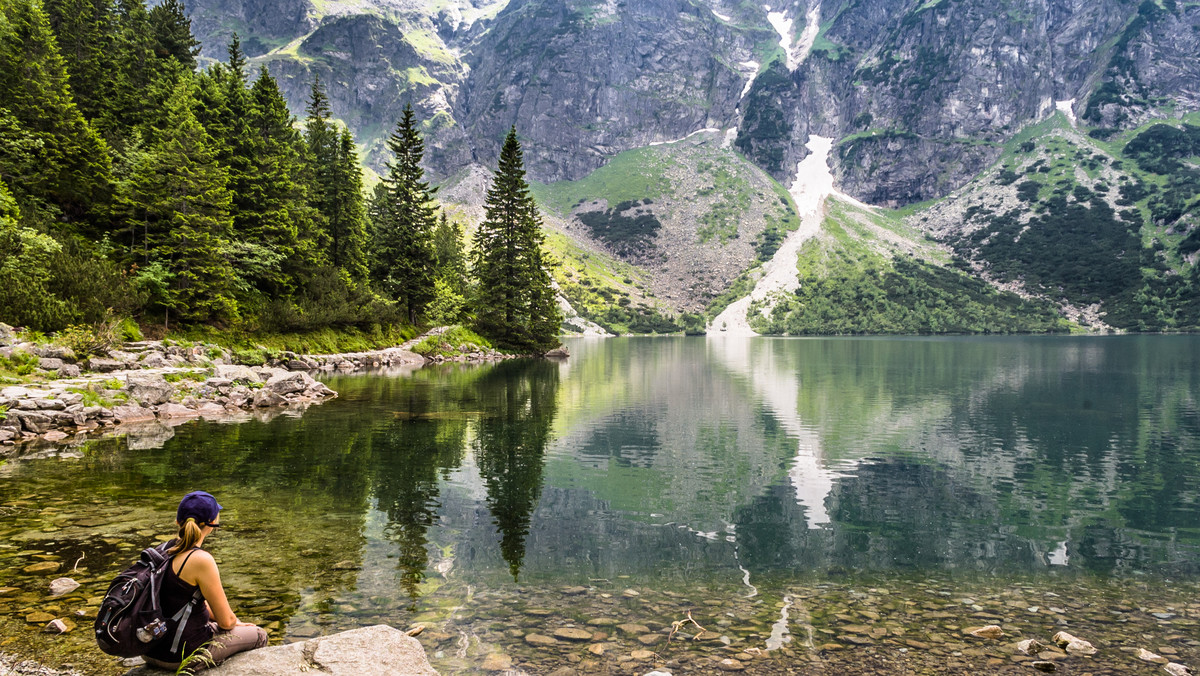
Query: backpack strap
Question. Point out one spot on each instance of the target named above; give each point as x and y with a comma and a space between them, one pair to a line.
182, 617
186, 611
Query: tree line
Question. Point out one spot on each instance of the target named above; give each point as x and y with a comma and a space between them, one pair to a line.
133, 183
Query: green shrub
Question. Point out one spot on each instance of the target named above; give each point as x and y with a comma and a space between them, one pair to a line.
93, 396
453, 342
18, 364
88, 340
250, 357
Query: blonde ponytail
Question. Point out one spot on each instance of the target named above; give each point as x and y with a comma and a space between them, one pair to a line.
189, 535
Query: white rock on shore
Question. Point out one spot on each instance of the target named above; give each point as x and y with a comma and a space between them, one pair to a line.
378, 650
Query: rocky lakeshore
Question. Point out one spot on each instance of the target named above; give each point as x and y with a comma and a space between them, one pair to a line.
158, 384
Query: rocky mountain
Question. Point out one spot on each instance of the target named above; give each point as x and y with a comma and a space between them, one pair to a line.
922, 98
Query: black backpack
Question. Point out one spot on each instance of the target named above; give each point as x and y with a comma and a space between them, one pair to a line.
130, 621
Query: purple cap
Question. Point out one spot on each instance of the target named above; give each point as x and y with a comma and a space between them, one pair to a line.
198, 505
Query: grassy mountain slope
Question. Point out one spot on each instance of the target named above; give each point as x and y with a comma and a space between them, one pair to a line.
867, 271
1105, 229
688, 216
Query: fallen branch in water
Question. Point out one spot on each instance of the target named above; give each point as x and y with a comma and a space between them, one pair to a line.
678, 624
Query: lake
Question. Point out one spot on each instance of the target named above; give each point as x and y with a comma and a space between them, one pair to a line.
833, 505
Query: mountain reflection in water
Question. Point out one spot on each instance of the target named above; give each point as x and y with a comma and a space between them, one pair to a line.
665, 462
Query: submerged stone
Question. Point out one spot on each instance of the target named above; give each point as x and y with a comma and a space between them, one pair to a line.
573, 634
1148, 656
730, 664
496, 662
990, 631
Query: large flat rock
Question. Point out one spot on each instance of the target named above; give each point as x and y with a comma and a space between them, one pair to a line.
379, 650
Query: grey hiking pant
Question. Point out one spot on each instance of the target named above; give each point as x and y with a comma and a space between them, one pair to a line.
223, 645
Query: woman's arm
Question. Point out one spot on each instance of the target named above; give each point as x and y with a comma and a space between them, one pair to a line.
208, 578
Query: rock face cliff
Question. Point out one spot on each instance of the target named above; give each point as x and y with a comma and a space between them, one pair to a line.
921, 92
954, 100
918, 93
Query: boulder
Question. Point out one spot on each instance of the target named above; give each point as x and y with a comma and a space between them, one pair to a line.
102, 365
128, 413
1148, 656
32, 421
69, 371
55, 352
558, 353
1177, 669
288, 382
176, 411
371, 651
236, 373
211, 411
50, 363
154, 360
7, 335
989, 631
1073, 644
149, 388
319, 389
264, 398
1030, 646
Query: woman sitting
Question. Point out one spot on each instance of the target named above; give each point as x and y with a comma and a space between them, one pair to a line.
192, 576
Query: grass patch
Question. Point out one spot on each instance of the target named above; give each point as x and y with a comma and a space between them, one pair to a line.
179, 376
323, 341
17, 368
632, 175
457, 341
98, 396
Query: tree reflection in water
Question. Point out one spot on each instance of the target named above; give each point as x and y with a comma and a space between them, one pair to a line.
519, 402
505, 412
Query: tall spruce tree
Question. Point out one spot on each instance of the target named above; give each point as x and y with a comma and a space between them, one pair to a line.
142, 82
173, 33
335, 186
279, 216
402, 264
75, 169
449, 260
179, 199
86, 30
346, 218
514, 303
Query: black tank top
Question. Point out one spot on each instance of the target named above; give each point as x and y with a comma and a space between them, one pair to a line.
172, 596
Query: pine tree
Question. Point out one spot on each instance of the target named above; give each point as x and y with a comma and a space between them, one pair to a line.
278, 215
335, 187
347, 223
402, 249
449, 260
514, 303
74, 164
86, 30
142, 82
180, 201
172, 31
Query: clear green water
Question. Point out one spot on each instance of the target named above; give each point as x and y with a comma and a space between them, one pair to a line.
861, 483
